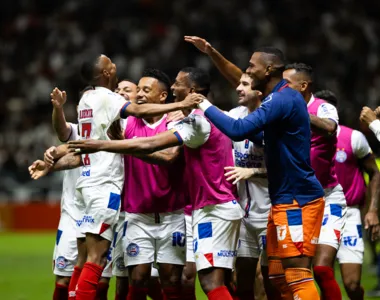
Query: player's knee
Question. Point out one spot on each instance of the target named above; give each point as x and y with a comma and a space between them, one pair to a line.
188, 277
211, 279
351, 285
61, 280
97, 258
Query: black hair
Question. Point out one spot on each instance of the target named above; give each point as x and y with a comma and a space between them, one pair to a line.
160, 76
200, 78
278, 59
88, 69
327, 95
127, 79
302, 68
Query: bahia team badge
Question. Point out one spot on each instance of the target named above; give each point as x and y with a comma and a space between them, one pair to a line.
341, 155
60, 262
133, 250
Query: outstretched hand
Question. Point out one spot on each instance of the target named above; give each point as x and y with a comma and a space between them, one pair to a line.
38, 169
200, 43
85, 146
192, 100
58, 98
367, 115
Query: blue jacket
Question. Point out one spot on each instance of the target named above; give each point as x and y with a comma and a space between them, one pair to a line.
285, 121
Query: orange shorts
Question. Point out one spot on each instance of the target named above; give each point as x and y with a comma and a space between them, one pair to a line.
294, 230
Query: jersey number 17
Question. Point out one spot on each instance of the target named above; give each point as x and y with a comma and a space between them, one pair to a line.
86, 132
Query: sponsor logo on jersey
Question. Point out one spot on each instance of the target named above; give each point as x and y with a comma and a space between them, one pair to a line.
61, 262
178, 239
248, 160
85, 219
281, 232
120, 264
341, 156
86, 173
133, 250
350, 241
85, 113
227, 253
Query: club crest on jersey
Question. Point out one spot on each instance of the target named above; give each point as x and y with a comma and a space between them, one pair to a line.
120, 264
61, 262
133, 250
341, 156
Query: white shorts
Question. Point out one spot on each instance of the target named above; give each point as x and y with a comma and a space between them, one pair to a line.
351, 250
334, 217
147, 242
189, 239
118, 267
252, 240
99, 207
215, 242
65, 250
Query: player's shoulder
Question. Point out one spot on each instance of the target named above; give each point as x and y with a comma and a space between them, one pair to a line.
238, 112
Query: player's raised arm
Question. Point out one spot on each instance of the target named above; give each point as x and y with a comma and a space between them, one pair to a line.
229, 70
61, 127
139, 146
369, 117
152, 110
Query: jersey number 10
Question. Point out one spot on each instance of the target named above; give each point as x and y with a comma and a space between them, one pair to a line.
86, 132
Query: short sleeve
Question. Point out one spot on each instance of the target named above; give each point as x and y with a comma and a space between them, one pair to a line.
194, 130
115, 105
328, 111
74, 132
360, 145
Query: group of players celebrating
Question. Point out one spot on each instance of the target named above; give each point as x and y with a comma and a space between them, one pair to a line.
195, 190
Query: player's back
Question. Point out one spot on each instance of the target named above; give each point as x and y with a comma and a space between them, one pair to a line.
287, 143
97, 110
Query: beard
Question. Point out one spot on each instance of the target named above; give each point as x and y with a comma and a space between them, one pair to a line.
259, 84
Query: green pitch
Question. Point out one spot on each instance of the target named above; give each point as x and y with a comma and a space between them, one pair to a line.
26, 268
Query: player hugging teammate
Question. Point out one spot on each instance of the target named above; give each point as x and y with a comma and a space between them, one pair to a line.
261, 183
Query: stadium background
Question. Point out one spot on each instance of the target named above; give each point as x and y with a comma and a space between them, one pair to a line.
42, 44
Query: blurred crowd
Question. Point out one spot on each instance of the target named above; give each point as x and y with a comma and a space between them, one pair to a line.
42, 45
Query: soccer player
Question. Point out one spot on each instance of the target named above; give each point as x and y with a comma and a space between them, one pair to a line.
127, 89
153, 200
252, 190
296, 195
101, 180
250, 175
189, 80
324, 121
353, 156
66, 250
216, 214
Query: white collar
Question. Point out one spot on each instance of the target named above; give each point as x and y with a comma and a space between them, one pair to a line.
312, 99
154, 125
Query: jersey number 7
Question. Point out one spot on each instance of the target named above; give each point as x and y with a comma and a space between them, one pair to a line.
86, 132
